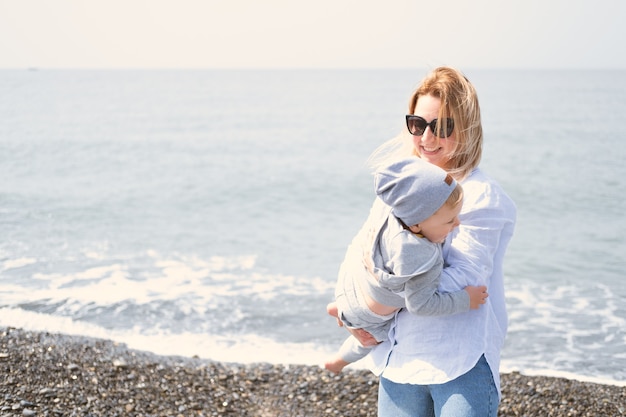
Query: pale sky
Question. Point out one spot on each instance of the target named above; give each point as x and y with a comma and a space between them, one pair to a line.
312, 33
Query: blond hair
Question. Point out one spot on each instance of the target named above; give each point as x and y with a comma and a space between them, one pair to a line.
459, 101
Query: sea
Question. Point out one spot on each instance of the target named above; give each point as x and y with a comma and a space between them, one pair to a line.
206, 212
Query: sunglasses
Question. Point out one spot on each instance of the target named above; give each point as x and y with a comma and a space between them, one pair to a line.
417, 126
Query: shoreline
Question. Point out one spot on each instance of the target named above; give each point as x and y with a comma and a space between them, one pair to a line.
48, 374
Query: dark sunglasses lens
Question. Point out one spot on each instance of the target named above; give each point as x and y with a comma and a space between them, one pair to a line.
449, 127
416, 125
445, 128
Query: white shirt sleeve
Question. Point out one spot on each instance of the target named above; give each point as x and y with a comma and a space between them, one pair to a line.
470, 250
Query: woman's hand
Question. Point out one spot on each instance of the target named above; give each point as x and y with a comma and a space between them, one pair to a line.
365, 338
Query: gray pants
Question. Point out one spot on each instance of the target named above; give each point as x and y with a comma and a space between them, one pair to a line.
354, 312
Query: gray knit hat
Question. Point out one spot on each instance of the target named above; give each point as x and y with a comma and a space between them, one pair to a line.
415, 189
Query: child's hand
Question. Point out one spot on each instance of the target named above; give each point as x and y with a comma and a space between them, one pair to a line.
478, 295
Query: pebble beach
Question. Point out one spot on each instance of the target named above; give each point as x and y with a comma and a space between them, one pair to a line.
44, 374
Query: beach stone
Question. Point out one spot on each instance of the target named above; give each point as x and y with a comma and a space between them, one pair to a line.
102, 378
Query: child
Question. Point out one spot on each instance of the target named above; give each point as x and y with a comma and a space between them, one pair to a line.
395, 260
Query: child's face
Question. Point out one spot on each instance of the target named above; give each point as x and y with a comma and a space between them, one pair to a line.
436, 227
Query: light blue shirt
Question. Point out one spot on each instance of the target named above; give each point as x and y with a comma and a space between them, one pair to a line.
437, 349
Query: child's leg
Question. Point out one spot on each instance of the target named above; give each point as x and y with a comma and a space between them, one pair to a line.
336, 364
351, 351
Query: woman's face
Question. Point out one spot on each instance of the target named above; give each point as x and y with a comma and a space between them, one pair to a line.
428, 146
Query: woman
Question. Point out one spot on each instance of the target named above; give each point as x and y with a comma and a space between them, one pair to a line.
449, 365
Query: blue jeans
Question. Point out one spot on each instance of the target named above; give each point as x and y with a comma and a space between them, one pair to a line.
473, 394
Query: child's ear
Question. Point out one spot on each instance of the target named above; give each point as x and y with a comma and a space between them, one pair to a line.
415, 228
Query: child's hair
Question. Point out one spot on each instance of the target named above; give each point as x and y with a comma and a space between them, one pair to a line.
455, 198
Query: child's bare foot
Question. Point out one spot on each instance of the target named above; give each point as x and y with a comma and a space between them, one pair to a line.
331, 308
336, 365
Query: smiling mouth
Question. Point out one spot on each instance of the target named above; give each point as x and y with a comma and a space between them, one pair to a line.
431, 150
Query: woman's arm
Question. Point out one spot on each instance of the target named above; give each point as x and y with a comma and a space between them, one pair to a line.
471, 249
